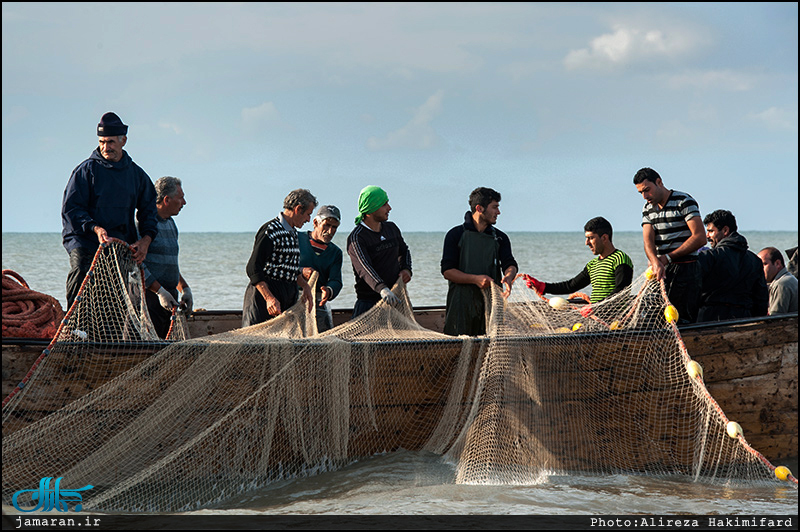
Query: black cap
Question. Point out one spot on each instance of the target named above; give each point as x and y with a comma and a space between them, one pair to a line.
111, 126
329, 211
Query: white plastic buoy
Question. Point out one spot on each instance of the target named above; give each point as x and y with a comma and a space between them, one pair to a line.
558, 303
733, 429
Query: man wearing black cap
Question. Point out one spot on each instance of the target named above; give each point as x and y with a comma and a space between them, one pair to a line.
102, 196
319, 253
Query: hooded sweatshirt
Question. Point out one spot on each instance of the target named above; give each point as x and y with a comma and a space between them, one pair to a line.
733, 277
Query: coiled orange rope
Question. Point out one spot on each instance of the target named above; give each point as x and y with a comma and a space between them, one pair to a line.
27, 313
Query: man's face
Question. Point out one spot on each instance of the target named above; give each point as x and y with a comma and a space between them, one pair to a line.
301, 216
715, 234
325, 230
173, 204
111, 147
382, 214
490, 213
651, 192
595, 242
771, 269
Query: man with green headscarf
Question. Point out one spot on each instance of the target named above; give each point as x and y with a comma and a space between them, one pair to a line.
377, 251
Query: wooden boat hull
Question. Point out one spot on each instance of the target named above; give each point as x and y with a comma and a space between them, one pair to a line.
750, 368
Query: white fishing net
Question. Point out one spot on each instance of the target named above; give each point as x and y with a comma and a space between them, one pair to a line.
547, 391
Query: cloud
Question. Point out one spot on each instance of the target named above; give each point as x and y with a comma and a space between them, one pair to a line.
776, 118
418, 133
518, 70
171, 127
716, 79
254, 118
629, 45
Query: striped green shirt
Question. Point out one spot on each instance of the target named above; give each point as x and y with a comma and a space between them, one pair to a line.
607, 276
603, 274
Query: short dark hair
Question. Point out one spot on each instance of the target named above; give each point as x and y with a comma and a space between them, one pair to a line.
721, 218
302, 197
645, 174
482, 196
599, 226
774, 254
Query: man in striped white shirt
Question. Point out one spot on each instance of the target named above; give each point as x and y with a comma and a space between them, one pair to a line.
673, 232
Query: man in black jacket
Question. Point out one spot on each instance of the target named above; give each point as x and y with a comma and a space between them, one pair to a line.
733, 283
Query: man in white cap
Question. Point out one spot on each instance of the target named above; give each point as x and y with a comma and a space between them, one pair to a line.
319, 253
103, 195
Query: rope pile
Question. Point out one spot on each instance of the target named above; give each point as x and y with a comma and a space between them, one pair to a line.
27, 313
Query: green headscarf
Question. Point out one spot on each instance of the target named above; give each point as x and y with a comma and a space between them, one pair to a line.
370, 200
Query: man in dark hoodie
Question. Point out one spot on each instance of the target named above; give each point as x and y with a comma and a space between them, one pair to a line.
733, 283
475, 255
102, 196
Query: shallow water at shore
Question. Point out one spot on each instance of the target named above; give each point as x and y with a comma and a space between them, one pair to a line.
417, 483
406, 483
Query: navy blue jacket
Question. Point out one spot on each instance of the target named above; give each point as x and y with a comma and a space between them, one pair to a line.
104, 193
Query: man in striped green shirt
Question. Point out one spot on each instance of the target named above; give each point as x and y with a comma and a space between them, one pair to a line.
609, 273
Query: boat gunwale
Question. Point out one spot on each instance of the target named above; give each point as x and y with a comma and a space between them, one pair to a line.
14, 341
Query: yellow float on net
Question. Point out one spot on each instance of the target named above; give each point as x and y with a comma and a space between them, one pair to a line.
562, 330
558, 303
694, 369
733, 429
615, 326
577, 326
671, 314
782, 472
649, 273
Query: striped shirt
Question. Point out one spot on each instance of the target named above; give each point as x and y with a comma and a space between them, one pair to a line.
161, 263
603, 274
607, 277
670, 223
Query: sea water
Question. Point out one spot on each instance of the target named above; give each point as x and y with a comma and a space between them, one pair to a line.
214, 263
420, 484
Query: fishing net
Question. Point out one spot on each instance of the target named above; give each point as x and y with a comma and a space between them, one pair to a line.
547, 391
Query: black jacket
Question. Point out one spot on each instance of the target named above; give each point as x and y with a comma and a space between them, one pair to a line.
733, 281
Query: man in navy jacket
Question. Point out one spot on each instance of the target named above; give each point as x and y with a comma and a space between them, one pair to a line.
103, 195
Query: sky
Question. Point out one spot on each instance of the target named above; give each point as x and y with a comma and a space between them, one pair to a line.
554, 105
